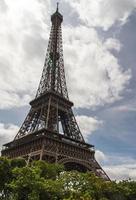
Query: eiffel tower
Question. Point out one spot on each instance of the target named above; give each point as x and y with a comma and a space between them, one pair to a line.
40, 137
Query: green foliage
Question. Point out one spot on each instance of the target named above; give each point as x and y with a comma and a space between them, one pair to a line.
26, 183
5, 176
129, 189
18, 162
41, 181
48, 171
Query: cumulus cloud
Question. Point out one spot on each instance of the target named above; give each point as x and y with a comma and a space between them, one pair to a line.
100, 156
7, 133
3, 6
88, 125
121, 172
112, 44
117, 167
103, 13
94, 74
23, 35
130, 107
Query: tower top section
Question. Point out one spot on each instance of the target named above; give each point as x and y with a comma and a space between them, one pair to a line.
57, 17
53, 76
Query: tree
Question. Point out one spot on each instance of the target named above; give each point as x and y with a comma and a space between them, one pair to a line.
48, 171
129, 189
41, 180
79, 185
18, 162
5, 177
26, 183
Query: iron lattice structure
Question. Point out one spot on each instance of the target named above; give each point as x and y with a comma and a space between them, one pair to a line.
39, 136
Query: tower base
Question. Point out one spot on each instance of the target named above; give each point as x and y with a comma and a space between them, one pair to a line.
55, 148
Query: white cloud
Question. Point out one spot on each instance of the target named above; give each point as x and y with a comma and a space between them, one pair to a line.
121, 172
103, 13
117, 167
7, 133
94, 74
112, 43
100, 156
23, 35
3, 6
130, 107
88, 125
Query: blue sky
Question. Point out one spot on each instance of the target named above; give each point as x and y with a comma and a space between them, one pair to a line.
100, 64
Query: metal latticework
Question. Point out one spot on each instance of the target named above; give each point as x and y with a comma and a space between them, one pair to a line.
50, 114
50, 131
53, 76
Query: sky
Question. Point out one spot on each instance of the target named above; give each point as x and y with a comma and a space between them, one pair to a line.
99, 46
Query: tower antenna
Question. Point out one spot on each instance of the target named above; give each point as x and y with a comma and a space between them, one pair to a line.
57, 7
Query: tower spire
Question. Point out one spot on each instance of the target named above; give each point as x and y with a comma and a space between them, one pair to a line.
57, 7
53, 77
